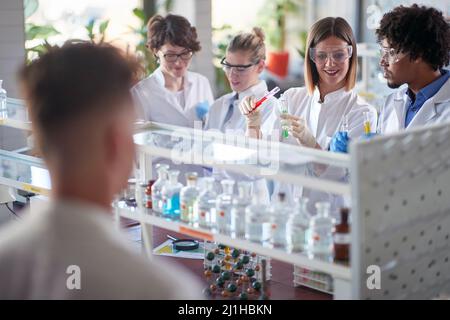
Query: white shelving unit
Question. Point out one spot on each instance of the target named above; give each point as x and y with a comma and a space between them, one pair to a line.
338, 270
276, 161
399, 189
15, 116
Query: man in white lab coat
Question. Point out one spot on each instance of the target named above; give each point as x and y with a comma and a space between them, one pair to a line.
415, 46
82, 114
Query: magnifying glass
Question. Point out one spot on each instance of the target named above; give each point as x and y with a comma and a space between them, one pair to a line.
184, 244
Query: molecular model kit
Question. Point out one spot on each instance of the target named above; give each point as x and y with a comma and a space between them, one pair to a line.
235, 274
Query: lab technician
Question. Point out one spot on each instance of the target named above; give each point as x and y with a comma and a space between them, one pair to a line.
318, 110
172, 94
82, 115
415, 46
243, 64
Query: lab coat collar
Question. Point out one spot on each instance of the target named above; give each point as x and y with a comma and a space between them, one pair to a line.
429, 110
159, 77
331, 97
258, 90
443, 95
71, 209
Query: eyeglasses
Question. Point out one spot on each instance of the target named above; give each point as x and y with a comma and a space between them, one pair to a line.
239, 69
391, 55
337, 54
173, 57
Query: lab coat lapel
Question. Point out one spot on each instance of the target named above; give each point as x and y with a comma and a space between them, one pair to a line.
429, 110
173, 103
426, 113
400, 109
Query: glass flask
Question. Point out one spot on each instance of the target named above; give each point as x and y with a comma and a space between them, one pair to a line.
240, 204
171, 196
320, 240
279, 216
188, 198
206, 204
157, 203
257, 223
224, 204
298, 226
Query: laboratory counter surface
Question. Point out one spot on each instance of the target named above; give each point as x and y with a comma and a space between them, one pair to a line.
280, 286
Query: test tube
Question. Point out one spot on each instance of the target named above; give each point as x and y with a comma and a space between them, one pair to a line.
367, 130
284, 110
344, 125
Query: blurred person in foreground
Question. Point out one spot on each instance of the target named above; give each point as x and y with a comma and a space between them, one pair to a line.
82, 113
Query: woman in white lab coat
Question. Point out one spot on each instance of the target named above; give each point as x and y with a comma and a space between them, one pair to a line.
317, 111
172, 94
243, 63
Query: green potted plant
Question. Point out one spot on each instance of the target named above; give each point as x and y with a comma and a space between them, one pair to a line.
273, 20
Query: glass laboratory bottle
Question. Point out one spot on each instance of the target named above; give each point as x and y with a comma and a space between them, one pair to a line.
240, 204
148, 202
321, 232
3, 103
342, 237
206, 204
298, 225
188, 198
224, 204
171, 196
257, 223
279, 216
157, 203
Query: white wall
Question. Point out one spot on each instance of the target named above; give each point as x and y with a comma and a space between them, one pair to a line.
12, 43
198, 12
12, 55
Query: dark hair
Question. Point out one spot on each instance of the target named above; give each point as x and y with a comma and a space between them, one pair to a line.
76, 80
321, 30
172, 29
420, 31
252, 42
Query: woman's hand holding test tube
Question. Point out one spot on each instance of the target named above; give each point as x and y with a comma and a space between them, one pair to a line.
252, 115
249, 108
299, 130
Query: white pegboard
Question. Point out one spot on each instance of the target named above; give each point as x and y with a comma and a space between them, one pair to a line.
401, 221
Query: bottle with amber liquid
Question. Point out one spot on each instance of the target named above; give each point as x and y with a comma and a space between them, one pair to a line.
341, 238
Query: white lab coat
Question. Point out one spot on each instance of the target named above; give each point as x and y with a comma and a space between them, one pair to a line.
324, 120
237, 126
36, 251
155, 103
435, 110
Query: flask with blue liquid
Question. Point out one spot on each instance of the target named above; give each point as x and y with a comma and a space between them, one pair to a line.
171, 196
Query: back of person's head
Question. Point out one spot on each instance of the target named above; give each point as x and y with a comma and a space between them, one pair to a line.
75, 94
172, 29
250, 42
420, 31
320, 31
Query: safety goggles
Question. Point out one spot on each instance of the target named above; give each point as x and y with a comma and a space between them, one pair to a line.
173, 57
391, 55
337, 54
239, 69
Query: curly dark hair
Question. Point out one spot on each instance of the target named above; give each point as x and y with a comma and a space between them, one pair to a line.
421, 31
172, 29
